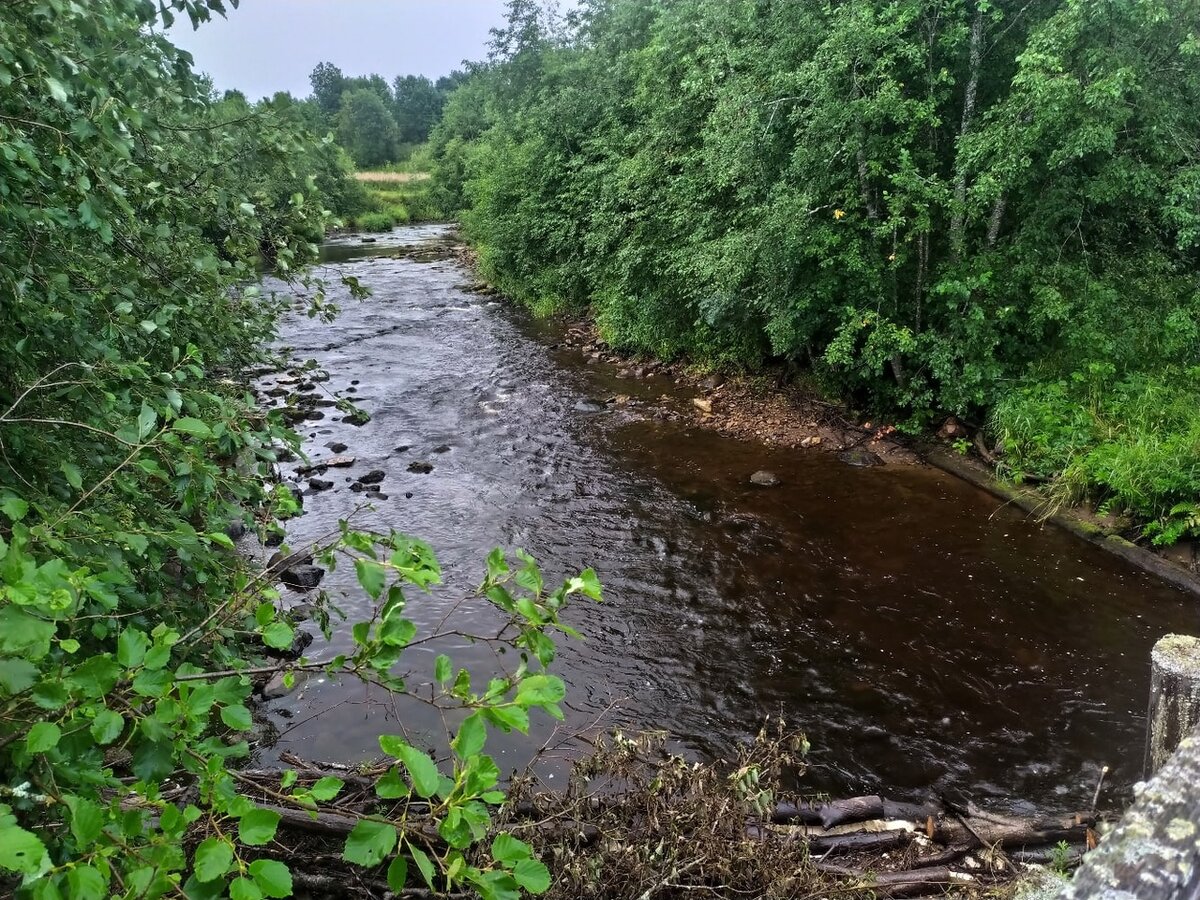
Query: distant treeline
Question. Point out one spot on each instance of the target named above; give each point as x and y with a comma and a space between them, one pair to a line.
990, 209
375, 122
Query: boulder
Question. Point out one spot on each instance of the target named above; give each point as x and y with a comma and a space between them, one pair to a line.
319, 484
763, 478
337, 447
420, 467
302, 577
374, 476
860, 458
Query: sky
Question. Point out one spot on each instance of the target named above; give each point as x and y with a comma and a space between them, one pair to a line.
266, 46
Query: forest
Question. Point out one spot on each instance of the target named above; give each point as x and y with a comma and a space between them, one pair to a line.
986, 209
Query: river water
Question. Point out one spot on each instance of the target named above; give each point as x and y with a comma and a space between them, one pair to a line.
924, 636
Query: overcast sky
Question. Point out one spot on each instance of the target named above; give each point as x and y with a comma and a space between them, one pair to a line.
271, 45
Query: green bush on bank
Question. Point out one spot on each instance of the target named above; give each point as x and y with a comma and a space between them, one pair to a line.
965, 208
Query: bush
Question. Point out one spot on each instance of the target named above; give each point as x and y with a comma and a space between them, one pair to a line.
374, 222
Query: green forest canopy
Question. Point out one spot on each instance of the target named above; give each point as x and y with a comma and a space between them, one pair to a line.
983, 208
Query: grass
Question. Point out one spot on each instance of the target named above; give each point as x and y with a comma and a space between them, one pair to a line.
400, 193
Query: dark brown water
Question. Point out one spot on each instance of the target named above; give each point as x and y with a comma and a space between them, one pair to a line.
925, 637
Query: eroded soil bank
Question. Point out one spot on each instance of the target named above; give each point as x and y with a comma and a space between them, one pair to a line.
926, 636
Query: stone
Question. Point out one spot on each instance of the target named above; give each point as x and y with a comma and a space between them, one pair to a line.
276, 687
369, 240
813, 440
443, 448
337, 447
302, 577
375, 476
705, 406
860, 458
235, 529
420, 467
712, 382
403, 448
319, 484
763, 478
952, 429
589, 406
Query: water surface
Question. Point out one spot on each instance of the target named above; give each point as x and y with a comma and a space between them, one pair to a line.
926, 637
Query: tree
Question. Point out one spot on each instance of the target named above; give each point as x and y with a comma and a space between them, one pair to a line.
418, 105
366, 128
328, 85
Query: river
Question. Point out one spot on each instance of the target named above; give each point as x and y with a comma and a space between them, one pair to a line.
924, 636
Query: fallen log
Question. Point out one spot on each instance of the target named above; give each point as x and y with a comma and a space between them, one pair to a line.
866, 842
910, 883
852, 809
975, 831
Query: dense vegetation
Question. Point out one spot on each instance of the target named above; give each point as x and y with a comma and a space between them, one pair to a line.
136, 211
990, 209
377, 123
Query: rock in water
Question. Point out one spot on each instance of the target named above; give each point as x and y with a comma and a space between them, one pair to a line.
319, 484
302, 577
373, 477
763, 478
420, 467
860, 458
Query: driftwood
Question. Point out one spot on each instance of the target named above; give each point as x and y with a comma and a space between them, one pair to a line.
915, 882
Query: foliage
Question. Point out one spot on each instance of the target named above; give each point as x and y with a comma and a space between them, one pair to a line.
418, 105
137, 213
940, 206
366, 128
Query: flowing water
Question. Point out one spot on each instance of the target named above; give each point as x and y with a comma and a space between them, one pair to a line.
925, 637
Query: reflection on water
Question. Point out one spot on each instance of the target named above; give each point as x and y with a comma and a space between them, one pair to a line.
923, 635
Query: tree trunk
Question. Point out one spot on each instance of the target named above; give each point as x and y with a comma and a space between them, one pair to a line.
958, 222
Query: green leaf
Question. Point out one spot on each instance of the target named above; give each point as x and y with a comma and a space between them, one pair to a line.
508, 718
145, 421
279, 635
194, 427
241, 889
371, 575
42, 737
16, 675
87, 820
20, 851
421, 768
507, 850
273, 877
424, 864
86, 883
472, 735
325, 789
14, 507
237, 717
397, 874
131, 647
540, 690
369, 843
257, 827
213, 858
442, 669
72, 474
107, 726
57, 90
532, 875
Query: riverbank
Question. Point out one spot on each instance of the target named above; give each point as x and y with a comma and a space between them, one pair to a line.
767, 409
